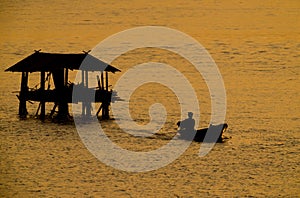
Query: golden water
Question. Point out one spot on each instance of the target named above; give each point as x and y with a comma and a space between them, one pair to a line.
256, 46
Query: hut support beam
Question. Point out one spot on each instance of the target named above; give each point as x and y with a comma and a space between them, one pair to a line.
42, 89
102, 81
105, 103
83, 105
106, 79
86, 104
60, 79
23, 93
66, 76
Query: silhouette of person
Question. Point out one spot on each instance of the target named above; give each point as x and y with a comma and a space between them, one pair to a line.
188, 124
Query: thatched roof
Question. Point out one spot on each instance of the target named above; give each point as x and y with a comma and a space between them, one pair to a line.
40, 61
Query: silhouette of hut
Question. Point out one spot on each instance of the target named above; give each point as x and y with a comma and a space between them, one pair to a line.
58, 66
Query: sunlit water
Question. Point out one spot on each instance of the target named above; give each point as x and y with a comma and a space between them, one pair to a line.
256, 47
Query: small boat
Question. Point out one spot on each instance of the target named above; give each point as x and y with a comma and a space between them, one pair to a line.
201, 133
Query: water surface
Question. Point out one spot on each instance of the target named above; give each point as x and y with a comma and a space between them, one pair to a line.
256, 46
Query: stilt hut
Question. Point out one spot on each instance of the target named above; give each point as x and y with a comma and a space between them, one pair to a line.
56, 67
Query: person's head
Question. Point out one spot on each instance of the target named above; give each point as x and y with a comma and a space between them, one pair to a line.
190, 114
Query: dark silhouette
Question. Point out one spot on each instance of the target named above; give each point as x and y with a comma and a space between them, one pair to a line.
61, 94
201, 133
187, 124
187, 131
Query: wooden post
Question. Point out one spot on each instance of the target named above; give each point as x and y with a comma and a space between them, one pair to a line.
42, 92
82, 77
83, 103
60, 78
23, 94
86, 79
106, 78
105, 110
63, 104
66, 76
99, 83
102, 81
88, 103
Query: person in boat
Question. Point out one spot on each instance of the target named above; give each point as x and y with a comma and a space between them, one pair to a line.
187, 124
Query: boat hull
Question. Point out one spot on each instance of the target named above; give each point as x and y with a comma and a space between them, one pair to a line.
201, 133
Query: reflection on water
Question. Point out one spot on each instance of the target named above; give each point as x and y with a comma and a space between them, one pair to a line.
256, 47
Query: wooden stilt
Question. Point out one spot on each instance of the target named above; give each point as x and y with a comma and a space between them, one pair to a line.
66, 76
105, 108
86, 79
53, 110
83, 103
98, 81
106, 79
99, 110
42, 89
23, 94
38, 109
59, 79
102, 81
88, 103
48, 78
